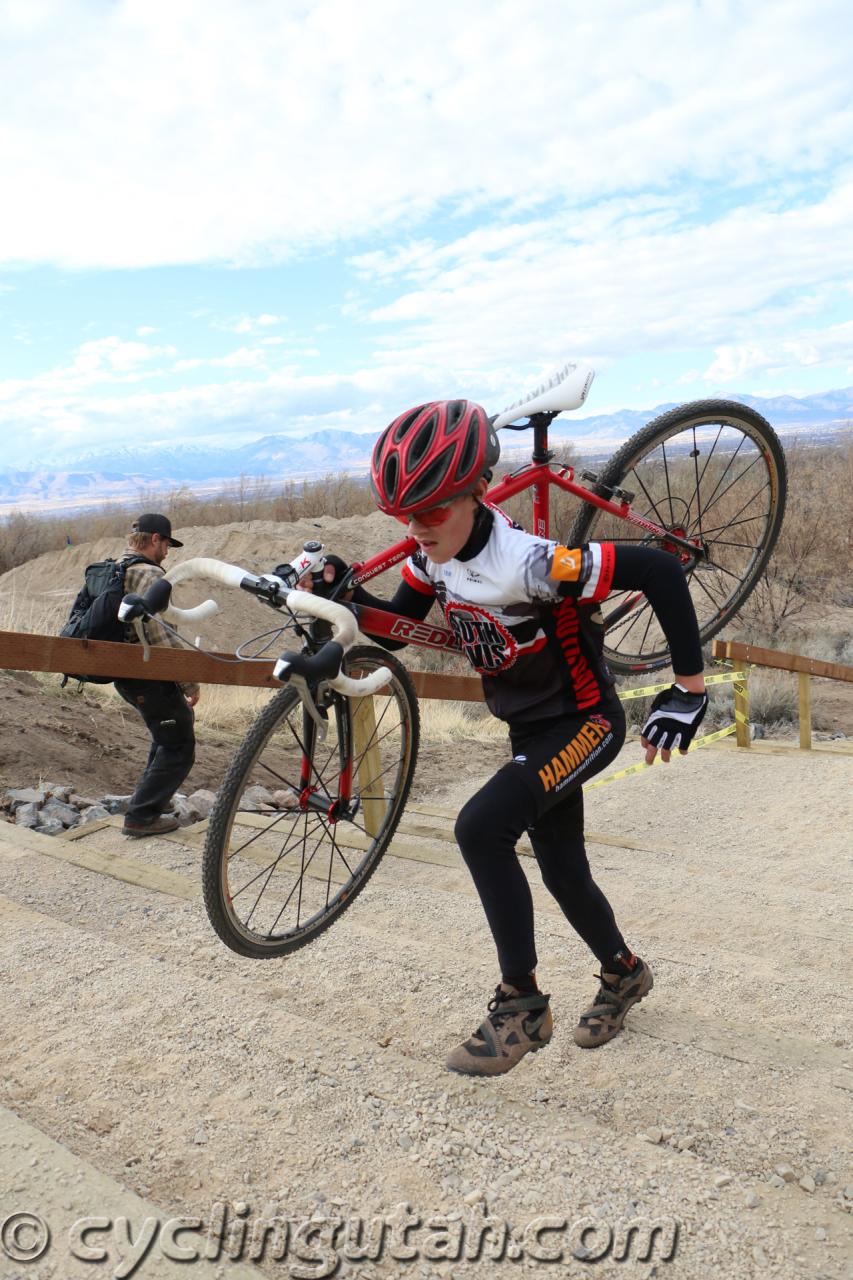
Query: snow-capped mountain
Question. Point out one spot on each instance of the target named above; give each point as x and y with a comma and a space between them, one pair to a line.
83, 479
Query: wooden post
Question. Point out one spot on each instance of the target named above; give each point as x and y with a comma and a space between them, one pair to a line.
805, 701
741, 712
367, 754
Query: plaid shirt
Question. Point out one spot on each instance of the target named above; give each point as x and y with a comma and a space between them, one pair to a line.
137, 580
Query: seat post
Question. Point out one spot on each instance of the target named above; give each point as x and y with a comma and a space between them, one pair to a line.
540, 423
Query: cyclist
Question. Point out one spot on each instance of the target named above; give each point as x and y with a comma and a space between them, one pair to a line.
526, 612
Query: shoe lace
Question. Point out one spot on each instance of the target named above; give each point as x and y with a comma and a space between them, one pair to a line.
608, 993
500, 997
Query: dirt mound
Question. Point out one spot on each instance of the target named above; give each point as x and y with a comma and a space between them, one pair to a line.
94, 744
37, 595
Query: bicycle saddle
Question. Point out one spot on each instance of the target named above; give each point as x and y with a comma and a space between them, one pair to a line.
567, 389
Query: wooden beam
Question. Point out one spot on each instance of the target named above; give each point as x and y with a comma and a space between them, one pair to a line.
734, 651
805, 706
22, 651
447, 688
25, 651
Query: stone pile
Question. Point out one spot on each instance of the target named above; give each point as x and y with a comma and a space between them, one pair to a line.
52, 807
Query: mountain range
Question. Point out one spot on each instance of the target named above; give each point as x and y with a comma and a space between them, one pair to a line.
81, 480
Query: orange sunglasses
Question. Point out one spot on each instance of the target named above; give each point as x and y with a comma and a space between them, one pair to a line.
429, 519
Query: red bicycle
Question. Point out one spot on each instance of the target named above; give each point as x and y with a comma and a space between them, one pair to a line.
317, 788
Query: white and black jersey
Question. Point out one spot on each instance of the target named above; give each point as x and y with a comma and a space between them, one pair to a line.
527, 614
535, 639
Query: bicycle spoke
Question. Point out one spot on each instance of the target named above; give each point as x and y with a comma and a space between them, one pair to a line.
720, 482
666, 478
653, 505
271, 889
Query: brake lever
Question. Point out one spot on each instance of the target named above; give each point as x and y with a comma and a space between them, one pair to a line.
305, 695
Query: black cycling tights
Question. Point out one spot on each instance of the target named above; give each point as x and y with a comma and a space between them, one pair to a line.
540, 791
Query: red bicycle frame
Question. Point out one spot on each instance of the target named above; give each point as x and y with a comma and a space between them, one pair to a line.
538, 476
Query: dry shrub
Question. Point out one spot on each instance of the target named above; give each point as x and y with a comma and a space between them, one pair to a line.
25, 535
810, 565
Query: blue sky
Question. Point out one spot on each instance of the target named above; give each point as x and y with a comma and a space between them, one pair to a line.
229, 218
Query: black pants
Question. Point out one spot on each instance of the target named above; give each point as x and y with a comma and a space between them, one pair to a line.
169, 720
540, 791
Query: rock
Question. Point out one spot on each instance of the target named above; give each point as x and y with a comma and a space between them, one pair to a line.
58, 790
254, 797
821, 1233
16, 797
200, 1138
184, 811
202, 801
285, 799
81, 802
93, 813
687, 1142
808, 1183
776, 1181
752, 1201
405, 1141
722, 1179
653, 1134
116, 804
64, 813
475, 1197
785, 1172
49, 827
27, 815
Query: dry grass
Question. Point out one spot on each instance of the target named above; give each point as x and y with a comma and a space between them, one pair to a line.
24, 535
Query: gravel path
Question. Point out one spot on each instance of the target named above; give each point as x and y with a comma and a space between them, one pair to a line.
315, 1083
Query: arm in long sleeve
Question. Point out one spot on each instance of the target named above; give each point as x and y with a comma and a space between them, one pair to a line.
659, 575
138, 578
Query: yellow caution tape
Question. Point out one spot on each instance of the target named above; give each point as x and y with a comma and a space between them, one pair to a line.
638, 768
724, 677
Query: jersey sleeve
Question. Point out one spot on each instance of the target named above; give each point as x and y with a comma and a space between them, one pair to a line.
415, 575
585, 573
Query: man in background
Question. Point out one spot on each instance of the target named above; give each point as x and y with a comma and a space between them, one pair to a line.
165, 706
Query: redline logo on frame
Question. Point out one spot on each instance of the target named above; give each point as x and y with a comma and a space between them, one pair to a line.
313, 1248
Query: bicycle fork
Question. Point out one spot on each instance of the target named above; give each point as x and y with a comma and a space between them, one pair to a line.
313, 797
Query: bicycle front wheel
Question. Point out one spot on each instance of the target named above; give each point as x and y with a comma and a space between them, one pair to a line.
712, 472
300, 824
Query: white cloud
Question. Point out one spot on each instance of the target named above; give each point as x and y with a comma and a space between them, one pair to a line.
176, 131
642, 285
68, 409
734, 363
248, 324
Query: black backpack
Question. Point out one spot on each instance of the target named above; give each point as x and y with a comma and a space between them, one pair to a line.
94, 613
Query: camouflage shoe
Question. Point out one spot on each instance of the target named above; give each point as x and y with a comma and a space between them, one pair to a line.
618, 991
517, 1024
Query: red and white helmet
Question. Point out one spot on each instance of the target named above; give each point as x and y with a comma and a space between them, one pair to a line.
431, 454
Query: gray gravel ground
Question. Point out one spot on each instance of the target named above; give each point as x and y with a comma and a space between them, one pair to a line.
315, 1084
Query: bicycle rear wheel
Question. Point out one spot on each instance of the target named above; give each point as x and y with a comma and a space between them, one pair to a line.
284, 856
712, 472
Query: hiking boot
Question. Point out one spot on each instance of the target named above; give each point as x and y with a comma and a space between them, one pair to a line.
618, 991
517, 1024
157, 827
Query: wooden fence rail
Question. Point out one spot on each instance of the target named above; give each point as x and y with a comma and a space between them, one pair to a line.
24, 651
804, 668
